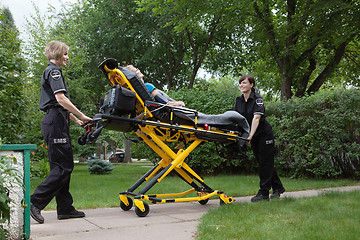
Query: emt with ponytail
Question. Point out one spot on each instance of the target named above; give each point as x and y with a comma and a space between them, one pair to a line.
251, 105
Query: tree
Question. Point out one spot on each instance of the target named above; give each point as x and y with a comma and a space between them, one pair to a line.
205, 24
12, 100
306, 40
299, 42
115, 29
349, 66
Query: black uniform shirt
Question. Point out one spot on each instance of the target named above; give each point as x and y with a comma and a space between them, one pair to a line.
254, 106
52, 81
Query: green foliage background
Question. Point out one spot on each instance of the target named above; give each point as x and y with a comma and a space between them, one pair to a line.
12, 66
169, 46
319, 135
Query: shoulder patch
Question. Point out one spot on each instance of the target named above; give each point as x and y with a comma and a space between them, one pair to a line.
55, 74
259, 102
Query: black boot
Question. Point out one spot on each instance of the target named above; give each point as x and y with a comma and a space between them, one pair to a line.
73, 214
276, 193
35, 213
260, 197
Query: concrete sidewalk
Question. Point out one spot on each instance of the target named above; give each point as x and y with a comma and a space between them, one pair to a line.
175, 221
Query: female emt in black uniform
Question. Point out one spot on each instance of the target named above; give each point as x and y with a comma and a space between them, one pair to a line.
55, 101
261, 137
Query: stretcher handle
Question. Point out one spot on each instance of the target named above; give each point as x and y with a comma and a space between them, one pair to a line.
87, 123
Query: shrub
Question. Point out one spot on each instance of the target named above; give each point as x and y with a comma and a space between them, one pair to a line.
8, 177
39, 169
100, 167
39, 165
318, 136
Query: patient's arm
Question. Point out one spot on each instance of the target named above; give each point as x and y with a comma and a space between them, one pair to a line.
176, 103
163, 98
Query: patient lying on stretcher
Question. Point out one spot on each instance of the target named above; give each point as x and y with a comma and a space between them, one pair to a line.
230, 120
159, 95
166, 110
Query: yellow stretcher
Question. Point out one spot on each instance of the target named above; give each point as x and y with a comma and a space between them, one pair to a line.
129, 106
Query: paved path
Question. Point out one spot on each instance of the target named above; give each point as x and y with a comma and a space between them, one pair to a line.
175, 221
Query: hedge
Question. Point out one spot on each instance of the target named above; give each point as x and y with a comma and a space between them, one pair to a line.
318, 136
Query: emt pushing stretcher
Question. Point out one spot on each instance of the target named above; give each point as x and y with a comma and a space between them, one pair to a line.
129, 106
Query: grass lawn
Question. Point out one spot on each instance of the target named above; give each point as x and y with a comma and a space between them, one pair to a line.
95, 191
330, 216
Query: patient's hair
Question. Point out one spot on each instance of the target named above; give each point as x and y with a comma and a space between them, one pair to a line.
130, 67
55, 50
251, 80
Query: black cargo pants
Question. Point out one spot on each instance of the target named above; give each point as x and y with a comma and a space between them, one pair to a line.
263, 147
56, 132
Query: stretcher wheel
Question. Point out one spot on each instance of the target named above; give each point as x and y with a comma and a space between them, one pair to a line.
141, 213
92, 138
82, 139
203, 202
125, 207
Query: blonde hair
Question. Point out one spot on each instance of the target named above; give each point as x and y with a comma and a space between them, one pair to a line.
55, 50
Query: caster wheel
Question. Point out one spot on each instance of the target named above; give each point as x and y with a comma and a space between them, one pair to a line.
141, 213
125, 207
92, 138
82, 139
203, 202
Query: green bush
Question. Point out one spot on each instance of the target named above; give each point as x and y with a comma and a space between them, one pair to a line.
318, 136
100, 167
39, 163
39, 169
8, 177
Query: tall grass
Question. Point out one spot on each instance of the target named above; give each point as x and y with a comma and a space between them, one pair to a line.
331, 216
95, 191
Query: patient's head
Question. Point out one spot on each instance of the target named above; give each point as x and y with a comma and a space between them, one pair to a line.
135, 70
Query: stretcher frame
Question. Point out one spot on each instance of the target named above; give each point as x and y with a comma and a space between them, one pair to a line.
156, 135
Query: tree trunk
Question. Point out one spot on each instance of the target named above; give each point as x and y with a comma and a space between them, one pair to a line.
98, 150
128, 144
329, 68
285, 87
305, 79
198, 59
